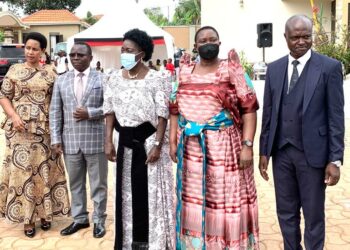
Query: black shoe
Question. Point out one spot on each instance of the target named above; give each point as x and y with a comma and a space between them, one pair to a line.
99, 230
45, 225
73, 228
29, 232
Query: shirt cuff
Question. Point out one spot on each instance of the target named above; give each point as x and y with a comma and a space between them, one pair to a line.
337, 163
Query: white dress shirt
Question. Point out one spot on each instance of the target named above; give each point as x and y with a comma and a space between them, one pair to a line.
300, 67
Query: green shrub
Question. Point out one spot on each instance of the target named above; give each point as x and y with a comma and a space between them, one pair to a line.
248, 67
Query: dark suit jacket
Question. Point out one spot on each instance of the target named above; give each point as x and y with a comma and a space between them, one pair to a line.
323, 109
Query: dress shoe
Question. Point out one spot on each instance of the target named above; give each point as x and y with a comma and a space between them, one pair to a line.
30, 232
99, 230
73, 228
45, 225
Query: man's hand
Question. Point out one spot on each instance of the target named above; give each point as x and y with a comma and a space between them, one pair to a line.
173, 152
153, 155
263, 163
56, 149
81, 114
110, 151
246, 157
332, 174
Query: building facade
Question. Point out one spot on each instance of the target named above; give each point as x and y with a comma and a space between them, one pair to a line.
237, 20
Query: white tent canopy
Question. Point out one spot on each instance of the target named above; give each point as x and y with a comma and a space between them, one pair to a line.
105, 36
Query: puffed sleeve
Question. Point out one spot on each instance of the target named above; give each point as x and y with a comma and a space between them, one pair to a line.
185, 61
109, 83
173, 107
247, 101
162, 94
7, 89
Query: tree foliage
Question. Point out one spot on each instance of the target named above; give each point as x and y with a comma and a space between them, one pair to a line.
90, 19
156, 16
31, 6
188, 12
2, 36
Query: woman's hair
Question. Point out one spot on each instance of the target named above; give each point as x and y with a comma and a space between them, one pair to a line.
143, 40
37, 37
205, 28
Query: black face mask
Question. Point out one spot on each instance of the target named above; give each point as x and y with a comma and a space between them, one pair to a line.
208, 51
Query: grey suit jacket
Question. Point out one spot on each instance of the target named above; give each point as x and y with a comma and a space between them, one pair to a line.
87, 135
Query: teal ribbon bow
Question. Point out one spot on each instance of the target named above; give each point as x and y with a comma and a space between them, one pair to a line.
189, 128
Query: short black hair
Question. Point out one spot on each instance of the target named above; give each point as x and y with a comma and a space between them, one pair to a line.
205, 28
37, 37
143, 40
89, 50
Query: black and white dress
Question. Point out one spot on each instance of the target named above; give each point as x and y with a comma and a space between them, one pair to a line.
134, 102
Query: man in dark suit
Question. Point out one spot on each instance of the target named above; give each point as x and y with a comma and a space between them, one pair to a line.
303, 131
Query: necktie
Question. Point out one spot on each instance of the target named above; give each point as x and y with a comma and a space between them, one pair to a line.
295, 76
79, 90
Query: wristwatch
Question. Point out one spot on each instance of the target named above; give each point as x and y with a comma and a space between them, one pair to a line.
156, 143
247, 143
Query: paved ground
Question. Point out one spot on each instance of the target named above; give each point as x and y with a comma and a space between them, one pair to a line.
337, 213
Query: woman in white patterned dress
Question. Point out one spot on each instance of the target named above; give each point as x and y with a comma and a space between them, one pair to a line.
136, 105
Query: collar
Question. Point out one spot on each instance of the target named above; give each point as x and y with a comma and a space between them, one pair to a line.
86, 72
30, 67
302, 60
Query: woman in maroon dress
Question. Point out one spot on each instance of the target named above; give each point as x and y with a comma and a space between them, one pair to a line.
213, 123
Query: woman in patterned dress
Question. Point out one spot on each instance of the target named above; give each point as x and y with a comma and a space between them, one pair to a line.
136, 103
212, 127
32, 180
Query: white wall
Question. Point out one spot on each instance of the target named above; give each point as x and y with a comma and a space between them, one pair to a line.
237, 26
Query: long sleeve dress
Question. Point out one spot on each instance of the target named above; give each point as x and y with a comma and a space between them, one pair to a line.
231, 209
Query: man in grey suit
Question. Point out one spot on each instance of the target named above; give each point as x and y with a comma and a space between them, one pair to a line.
77, 130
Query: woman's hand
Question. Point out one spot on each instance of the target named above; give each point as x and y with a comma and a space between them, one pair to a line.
246, 157
153, 155
18, 124
110, 151
56, 149
173, 152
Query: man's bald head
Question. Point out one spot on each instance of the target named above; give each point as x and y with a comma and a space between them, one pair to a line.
298, 18
298, 35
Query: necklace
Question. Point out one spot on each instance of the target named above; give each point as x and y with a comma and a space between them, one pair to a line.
133, 76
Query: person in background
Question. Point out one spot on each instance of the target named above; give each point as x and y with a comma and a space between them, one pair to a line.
98, 67
77, 130
170, 67
158, 65
303, 130
48, 58
45, 59
163, 66
151, 66
212, 128
61, 63
136, 104
32, 179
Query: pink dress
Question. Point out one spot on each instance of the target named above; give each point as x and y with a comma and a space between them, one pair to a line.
231, 200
